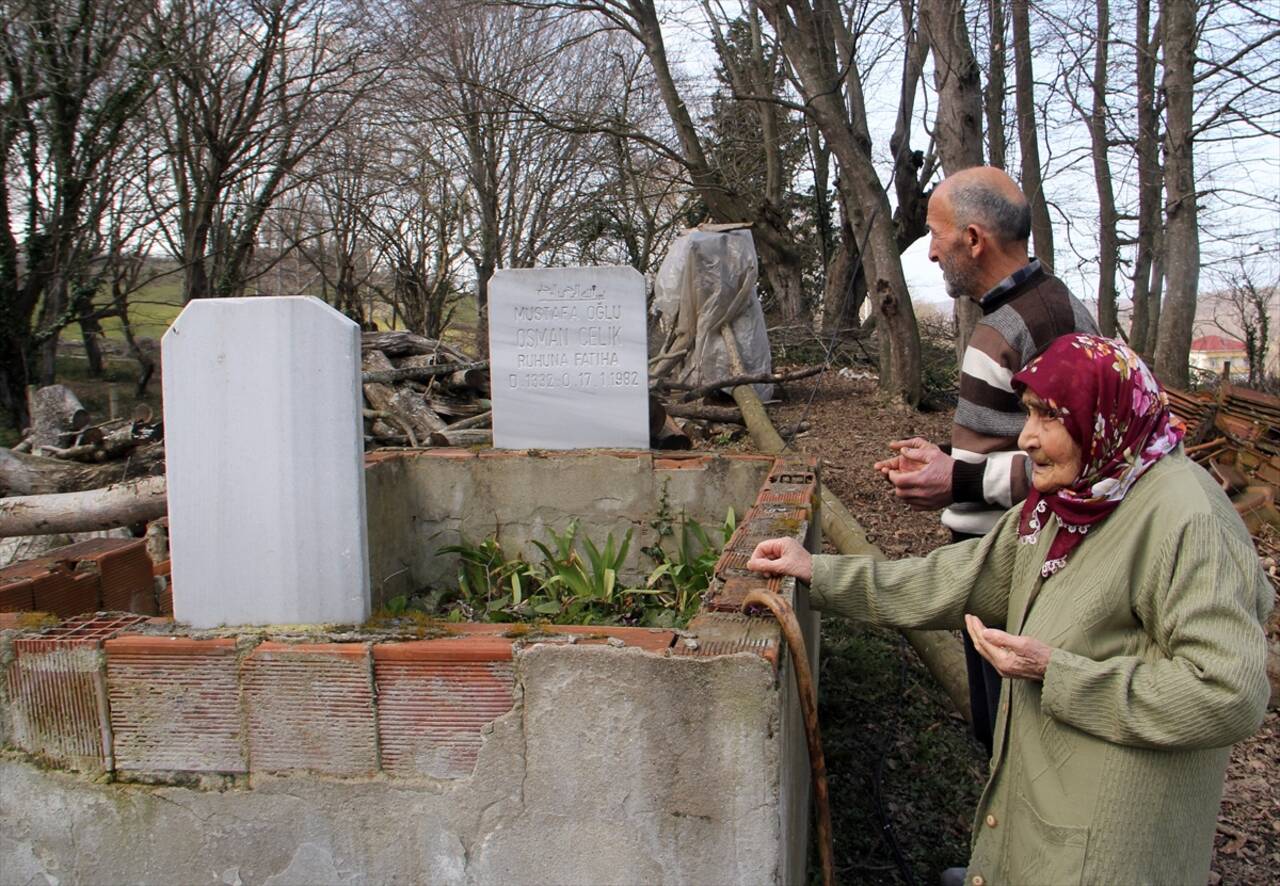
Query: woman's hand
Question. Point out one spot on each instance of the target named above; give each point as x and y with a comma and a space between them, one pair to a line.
782, 556
1013, 656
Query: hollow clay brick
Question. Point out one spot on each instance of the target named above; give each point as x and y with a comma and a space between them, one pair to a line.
310, 707
57, 691
175, 704
435, 697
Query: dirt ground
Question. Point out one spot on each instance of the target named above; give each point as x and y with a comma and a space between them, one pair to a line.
905, 773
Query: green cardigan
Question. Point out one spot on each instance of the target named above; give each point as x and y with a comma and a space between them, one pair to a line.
1111, 770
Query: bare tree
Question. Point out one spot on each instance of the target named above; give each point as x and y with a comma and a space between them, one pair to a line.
1246, 309
1028, 137
249, 90
994, 95
1148, 265
74, 77
819, 43
958, 125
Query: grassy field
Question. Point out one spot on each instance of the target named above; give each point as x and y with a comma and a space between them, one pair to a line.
151, 310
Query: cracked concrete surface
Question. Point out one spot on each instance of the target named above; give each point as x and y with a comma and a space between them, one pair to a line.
614, 766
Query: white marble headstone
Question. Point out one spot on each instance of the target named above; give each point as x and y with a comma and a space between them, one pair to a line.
265, 463
568, 359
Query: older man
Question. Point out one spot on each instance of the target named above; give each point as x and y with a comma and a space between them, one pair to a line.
979, 223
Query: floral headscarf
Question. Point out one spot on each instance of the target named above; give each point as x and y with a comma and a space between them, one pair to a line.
1118, 415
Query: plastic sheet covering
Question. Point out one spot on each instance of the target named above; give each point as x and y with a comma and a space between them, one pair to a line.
708, 279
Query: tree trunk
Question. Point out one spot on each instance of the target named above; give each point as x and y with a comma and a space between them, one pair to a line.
958, 128
136, 501
994, 98
1108, 239
1182, 237
22, 474
1028, 137
843, 120
1147, 151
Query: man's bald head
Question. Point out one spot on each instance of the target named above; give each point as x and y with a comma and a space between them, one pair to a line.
987, 197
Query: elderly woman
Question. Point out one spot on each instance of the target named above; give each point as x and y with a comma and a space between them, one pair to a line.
1123, 601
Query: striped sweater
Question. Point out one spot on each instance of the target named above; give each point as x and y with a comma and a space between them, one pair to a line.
1021, 315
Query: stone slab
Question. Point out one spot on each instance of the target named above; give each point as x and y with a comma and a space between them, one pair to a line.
264, 455
568, 358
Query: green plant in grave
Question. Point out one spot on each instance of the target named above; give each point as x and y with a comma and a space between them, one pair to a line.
581, 591
682, 576
491, 585
576, 581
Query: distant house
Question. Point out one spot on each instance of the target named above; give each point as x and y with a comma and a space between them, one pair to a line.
1211, 352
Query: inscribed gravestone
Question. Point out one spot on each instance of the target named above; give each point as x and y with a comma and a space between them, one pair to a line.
568, 358
264, 460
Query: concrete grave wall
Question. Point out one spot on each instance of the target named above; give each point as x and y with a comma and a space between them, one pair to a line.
617, 766
479, 754
419, 502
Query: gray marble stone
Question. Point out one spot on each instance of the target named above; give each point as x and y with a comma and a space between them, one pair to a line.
265, 463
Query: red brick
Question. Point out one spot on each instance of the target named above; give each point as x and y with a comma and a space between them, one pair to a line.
58, 694
175, 704
56, 700
66, 594
435, 697
124, 567
310, 707
17, 595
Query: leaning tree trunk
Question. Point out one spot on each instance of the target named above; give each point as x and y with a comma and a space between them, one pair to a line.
1028, 138
1182, 237
941, 653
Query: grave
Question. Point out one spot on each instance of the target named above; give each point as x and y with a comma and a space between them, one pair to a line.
263, 454
568, 358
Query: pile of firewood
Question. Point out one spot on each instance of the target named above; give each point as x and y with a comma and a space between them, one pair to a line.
422, 392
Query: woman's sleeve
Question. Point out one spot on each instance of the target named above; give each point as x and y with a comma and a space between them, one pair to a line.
1204, 608
923, 592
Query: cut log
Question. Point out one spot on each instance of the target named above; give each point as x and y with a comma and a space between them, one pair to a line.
726, 414
670, 437
403, 344
56, 415
22, 474
135, 501
408, 405
940, 651
465, 437
483, 420
390, 375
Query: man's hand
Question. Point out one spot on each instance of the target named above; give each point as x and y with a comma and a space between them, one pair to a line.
782, 556
920, 473
1023, 657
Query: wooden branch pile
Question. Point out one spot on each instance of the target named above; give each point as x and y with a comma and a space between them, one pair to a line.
422, 392
61, 428
71, 475
682, 416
